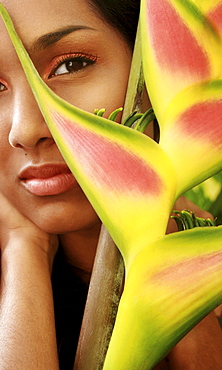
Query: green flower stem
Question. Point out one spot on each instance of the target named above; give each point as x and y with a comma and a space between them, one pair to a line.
135, 88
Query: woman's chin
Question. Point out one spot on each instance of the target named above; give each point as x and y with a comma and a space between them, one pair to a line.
65, 219
56, 214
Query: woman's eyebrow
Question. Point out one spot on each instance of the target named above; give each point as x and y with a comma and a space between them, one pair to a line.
51, 38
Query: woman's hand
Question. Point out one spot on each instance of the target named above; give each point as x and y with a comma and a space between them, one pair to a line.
201, 348
15, 228
27, 328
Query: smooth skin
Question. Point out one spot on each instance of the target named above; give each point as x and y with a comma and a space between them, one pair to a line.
86, 62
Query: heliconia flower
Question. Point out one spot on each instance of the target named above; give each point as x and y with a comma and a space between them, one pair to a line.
182, 66
123, 172
194, 130
171, 281
166, 296
213, 11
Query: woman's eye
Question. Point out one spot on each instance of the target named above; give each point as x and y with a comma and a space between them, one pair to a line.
72, 65
2, 87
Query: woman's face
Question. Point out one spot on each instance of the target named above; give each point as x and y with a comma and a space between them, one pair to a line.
84, 61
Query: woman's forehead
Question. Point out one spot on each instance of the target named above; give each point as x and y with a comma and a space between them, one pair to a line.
43, 24
34, 18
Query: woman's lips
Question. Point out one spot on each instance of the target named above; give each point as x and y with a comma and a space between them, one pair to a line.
48, 179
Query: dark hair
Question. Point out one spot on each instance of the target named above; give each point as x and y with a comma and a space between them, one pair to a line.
121, 14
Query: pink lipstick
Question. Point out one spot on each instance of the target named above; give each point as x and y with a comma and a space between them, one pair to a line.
47, 179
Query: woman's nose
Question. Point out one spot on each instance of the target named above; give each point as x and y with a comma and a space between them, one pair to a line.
28, 128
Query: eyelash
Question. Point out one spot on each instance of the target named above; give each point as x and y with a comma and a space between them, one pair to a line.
85, 60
